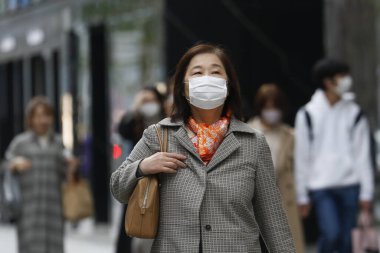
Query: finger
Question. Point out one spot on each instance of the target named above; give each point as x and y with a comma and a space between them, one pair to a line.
168, 170
176, 156
173, 165
178, 163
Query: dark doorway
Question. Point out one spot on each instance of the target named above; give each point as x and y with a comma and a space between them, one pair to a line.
6, 118
11, 102
38, 69
56, 90
268, 40
100, 122
17, 99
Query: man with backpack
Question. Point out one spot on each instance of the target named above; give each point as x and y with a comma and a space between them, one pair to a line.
332, 157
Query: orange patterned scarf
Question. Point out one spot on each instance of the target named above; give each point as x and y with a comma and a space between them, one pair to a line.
208, 136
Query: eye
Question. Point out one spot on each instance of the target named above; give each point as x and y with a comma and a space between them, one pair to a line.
197, 73
216, 72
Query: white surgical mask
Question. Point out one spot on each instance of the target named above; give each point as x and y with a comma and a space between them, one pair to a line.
149, 109
207, 92
344, 84
271, 116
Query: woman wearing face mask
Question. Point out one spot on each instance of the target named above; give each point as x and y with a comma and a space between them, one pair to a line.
270, 105
38, 159
218, 190
147, 109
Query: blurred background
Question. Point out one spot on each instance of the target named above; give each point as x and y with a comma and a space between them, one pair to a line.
91, 57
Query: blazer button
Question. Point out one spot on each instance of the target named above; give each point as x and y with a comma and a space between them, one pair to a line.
208, 227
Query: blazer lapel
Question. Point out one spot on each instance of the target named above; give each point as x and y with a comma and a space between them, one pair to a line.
185, 141
226, 148
230, 143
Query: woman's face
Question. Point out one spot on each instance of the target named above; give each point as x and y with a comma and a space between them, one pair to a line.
269, 105
41, 121
147, 104
271, 114
145, 96
204, 64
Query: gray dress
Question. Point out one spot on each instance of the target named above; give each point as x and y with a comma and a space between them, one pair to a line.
40, 226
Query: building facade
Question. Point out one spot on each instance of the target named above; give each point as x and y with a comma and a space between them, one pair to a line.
89, 58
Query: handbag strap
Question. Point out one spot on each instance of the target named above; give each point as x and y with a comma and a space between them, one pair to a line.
163, 142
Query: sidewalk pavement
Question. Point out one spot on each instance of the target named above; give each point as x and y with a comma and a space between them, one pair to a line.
82, 240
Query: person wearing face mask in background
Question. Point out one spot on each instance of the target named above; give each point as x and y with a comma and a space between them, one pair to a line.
270, 107
332, 157
147, 109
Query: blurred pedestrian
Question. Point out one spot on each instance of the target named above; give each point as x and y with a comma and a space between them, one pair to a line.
147, 109
218, 189
38, 158
271, 107
332, 157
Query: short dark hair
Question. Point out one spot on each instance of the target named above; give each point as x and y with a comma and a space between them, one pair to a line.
328, 68
181, 108
270, 92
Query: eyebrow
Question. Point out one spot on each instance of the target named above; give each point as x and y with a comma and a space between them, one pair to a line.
213, 65
196, 67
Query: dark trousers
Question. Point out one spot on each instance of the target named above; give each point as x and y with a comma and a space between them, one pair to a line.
123, 244
336, 210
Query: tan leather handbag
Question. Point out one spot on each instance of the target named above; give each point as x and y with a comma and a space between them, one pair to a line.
142, 215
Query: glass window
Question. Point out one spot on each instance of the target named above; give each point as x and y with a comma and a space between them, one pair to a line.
2, 6
12, 5
23, 3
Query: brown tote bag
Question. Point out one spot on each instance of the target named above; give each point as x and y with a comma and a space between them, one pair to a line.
77, 200
141, 217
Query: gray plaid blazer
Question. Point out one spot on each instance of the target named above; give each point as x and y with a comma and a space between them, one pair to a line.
222, 207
